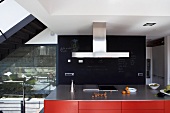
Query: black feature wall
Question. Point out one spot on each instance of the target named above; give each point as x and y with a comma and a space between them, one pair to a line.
118, 71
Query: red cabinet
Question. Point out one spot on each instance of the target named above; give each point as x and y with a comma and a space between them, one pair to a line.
57, 106
61, 106
142, 111
143, 107
99, 105
167, 106
99, 111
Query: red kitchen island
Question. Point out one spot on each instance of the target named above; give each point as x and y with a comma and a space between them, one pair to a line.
61, 100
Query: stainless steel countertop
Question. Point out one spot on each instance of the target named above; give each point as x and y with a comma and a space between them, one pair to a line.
62, 92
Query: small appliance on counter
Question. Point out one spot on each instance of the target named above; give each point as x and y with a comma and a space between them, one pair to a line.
132, 90
97, 88
107, 88
91, 87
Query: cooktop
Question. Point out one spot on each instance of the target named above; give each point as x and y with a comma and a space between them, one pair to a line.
107, 88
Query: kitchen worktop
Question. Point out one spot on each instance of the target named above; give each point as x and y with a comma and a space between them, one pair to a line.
62, 92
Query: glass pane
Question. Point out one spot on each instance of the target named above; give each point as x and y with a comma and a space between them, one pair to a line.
33, 64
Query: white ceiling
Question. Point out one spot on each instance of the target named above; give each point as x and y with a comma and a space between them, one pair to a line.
11, 14
123, 17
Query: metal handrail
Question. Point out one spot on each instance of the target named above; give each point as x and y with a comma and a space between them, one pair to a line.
38, 102
3, 33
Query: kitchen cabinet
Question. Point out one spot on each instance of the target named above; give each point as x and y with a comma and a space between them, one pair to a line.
143, 107
57, 106
142, 111
99, 111
83, 102
167, 108
61, 106
99, 105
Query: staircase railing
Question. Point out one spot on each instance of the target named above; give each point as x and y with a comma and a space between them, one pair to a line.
16, 107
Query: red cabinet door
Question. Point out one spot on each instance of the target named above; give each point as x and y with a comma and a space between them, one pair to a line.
154, 105
98, 105
167, 106
99, 111
142, 111
57, 106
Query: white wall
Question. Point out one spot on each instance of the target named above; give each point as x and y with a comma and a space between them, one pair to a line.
158, 64
11, 14
149, 56
45, 37
148, 52
167, 60
158, 60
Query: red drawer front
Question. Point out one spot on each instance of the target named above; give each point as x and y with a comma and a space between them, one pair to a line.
143, 105
142, 111
99, 105
167, 111
99, 111
52, 106
167, 106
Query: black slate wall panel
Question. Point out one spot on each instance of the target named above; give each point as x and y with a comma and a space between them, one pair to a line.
119, 71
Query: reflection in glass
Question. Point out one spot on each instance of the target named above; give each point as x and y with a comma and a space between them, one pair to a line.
33, 64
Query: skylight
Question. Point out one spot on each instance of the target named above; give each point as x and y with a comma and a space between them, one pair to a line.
149, 24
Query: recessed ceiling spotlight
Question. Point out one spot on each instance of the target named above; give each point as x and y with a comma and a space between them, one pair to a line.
149, 24
1, 1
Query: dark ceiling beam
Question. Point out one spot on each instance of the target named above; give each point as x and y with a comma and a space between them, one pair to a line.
18, 35
12, 42
157, 42
38, 23
4, 51
21, 33
29, 30
35, 26
14, 39
17, 27
20, 38
7, 46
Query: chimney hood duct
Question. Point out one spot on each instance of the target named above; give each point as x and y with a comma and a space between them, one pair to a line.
99, 45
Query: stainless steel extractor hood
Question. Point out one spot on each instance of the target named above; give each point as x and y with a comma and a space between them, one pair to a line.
99, 45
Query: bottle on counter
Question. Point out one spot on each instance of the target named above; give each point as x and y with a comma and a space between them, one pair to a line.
72, 86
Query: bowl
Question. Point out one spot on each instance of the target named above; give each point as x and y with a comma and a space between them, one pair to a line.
132, 90
154, 85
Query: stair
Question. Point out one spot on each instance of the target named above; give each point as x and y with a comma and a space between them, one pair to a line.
18, 35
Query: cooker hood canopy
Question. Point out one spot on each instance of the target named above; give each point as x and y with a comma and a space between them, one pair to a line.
99, 45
